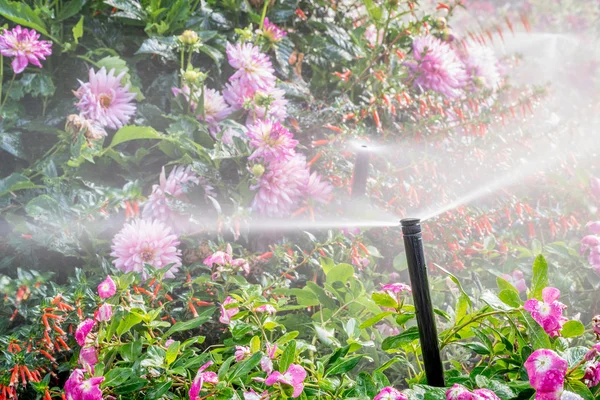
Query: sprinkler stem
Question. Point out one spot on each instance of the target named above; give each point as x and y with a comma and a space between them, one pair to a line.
361, 173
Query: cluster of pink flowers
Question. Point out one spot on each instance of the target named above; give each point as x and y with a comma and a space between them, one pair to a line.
395, 290
592, 367
517, 280
459, 392
548, 313
25, 47
223, 262
546, 371
590, 245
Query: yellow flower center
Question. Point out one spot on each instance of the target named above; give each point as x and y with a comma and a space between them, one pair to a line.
105, 100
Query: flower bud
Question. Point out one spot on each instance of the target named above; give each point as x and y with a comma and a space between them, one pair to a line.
441, 23
258, 170
191, 76
479, 81
189, 38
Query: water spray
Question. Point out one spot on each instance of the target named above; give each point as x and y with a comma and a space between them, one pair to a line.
361, 173
417, 269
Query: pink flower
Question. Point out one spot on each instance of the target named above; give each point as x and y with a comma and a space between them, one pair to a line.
72, 390
549, 312
218, 258
317, 189
395, 288
276, 110
88, 357
386, 330
593, 352
293, 377
83, 330
215, 107
78, 389
272, 32
252, 395
481, 65
241, 264
254, 68
105, 313
266, 308
437, 67
517, 280
594, 227
146, 242
595, 187
169, 342
201, 378
107, 288
485, 394
546, 371
266, 364
162, 202
271, 141
24, 45
592, 374
104, 100
281, 187
228, 313
458, 392
237, 94
389, 393
241, 352
271, 350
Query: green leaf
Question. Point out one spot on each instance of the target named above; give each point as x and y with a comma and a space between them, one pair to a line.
163, 46
540, 277
11, 142
20, 13
510, 297
340, 273
288, 356
287, 337
539, 338
203, 316
78, 30
172, 352
477, 348
406, 337
69, 9
15, 182
158, 390
503, 284
243, 369
344, 365
131, 386
116, 377
132, 132
501, 389
43, 207
572, 329
128, 322
574, 355
384, 300
579, 388
373, 320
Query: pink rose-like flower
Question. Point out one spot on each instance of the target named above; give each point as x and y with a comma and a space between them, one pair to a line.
517, 280
241, 352
293, 377
104, 100
105, 313
202, 378
546, 371
88, 357
107, 288
143, 242
437, 67
228, 313
24, 45
83, 330
458, 392
272, 32
254, 68
549, 312
271, 141
593, 352
266, 308
389, 393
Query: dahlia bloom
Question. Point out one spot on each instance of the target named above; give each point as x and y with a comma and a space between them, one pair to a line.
254, 68
24, 45
271, 141
104, 100
105, 313
92, 130
481, 65
237, 94
266, 308
517, 280
162, 202
88, 357
83, 330
317, 189
276, 110
215, 107
437, 67
546, 371
281, 187
107, 288
201, 378
389, 393
293, 377
549, 312
229, 312
143, 242
272, 32
241, 352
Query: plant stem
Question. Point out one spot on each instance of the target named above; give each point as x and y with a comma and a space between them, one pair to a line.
264, 13
457, 329
1, 73
8, 92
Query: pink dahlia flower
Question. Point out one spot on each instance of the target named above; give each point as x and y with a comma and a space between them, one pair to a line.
271, 141
215, 107
104, 100
237, 94
254, 68
88, 357
83, 330
293, 377
389, 393
107, 288
281, 187
202, 378
162, 202
546, 371
104, 313
481, 65
277, 109
228, 312
317, 189
437, 67
517, 280
241, 352
266, 308
143, 242
272, 32
24, 45
549, 312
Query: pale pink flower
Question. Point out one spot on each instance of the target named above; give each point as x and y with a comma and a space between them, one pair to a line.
88, 357
78, 389
104, 100
241, 352
318, 189
254, 68
83, 330
242, 264
169, 342
218, 258
458, 392
252, 395
266, 364
437, 67
481, 65
267, 308
389, 393
107, 288
237, 94
201, 378
229, 312
276, 110
143, 242
549, 312
281, 187
215, 107
546, 371
105, 313
485, 394
26, 48
594, 227
272, 32
517, 280
394, 288
293, 377
271, 141
592, 374
271, 350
